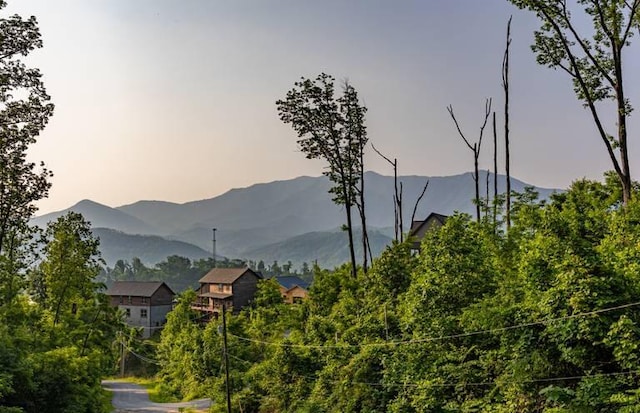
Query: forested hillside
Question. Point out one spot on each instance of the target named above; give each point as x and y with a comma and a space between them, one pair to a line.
542, 319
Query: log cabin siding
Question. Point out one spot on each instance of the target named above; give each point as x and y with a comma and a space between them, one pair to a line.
244, 290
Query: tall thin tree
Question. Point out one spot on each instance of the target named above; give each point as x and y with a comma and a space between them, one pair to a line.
397, 198
475, 148
354, 116
505, 87
332, 129
495, 171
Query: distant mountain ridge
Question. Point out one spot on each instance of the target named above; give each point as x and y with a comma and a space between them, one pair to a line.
101, 216
151, 249
328, 248
258, 221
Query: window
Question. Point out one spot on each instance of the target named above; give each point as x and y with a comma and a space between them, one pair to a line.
220, 287
143, 313
144, 300
121, 300
127, 312
129, 300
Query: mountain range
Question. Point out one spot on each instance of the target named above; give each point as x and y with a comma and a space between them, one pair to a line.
286, 220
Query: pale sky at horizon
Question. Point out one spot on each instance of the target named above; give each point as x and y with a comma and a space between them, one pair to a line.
175, 100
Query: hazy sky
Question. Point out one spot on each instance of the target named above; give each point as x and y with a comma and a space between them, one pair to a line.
174, 99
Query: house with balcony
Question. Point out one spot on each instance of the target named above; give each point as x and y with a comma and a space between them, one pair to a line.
144, 303
234, 288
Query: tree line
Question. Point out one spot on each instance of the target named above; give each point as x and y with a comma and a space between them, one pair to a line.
181, 273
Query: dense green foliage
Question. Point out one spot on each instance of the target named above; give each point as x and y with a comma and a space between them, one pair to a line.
57, 333
544, 319
56, 330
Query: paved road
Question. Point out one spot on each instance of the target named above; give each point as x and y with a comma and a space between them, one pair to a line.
130, 397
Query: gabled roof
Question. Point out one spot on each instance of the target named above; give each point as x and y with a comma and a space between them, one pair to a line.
290, 281
225, 275
136, 288
417, 225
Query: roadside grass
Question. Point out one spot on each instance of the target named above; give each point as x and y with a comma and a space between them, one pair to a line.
154, 388
105, 401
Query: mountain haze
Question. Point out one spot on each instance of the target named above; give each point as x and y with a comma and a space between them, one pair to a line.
100, 216
275, 205
268, 221
328, 248
151, 249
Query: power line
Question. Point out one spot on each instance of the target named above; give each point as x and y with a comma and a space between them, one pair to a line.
241, 360
438, 338
468, 384
139, 356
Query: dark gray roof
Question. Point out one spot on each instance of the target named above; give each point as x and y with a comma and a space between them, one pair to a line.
135, 288
290, 281
225, 275
416, 225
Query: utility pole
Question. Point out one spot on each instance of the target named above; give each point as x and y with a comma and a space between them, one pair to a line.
214, 247
122, 354
226, 354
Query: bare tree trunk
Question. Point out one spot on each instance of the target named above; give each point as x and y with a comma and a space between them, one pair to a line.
366, 249
476, 178
352, 252
395, 218
505, 86
400, 215
396, 202
397, 196
625, 177
415, 206
486, 206
495, 171
364, 239
348, 204
475, 148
